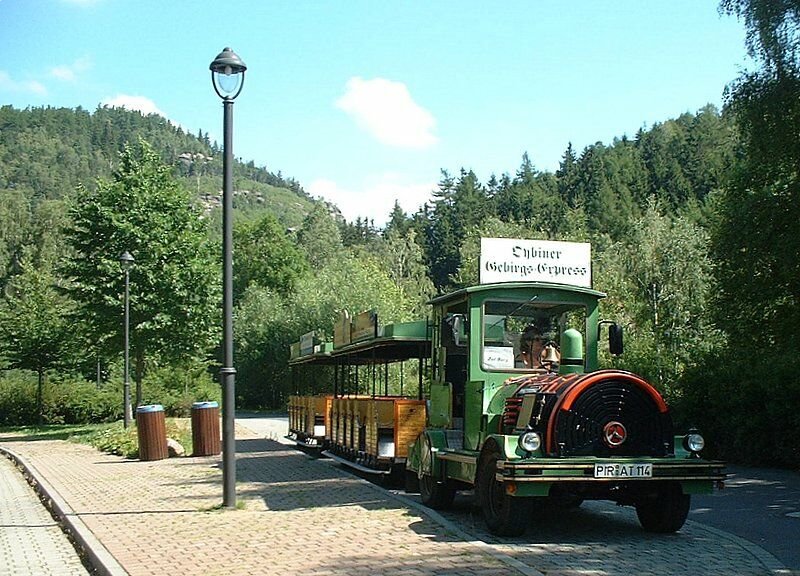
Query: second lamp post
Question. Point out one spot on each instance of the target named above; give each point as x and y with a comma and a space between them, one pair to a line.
126, 261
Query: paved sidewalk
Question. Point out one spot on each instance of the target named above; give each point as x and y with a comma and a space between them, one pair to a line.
31, 541
305, 516
299, 516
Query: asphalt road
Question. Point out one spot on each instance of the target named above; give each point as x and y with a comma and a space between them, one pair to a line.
759, 505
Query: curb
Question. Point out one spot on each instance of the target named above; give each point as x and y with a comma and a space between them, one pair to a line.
100, 559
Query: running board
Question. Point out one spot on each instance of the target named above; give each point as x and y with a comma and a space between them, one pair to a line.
303, 443
456, 457
354, 465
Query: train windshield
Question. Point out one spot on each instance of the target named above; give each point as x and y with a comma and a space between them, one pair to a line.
524, 335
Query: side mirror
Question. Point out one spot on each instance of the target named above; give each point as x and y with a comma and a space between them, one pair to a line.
458, 323
615, 339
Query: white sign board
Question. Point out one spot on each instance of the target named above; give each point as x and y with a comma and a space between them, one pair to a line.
498, 357
514, 260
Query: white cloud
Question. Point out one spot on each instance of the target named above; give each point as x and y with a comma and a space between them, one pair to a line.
140, 103
386, 110
8, 84
374, 199
70, 72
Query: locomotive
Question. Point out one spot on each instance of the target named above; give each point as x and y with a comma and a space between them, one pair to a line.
524, 433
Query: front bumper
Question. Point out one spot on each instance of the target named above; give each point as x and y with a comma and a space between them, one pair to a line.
583, 470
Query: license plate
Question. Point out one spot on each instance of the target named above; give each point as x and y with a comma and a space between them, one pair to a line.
617, 470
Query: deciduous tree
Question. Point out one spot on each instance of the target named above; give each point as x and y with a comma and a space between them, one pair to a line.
175, 284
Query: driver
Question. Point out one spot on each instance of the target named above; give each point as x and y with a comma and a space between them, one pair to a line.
533, 348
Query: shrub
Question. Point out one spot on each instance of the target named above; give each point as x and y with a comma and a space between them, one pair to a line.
746, 408
17, 398
70, 399
177, 388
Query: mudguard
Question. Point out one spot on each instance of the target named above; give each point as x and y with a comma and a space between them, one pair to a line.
430, 438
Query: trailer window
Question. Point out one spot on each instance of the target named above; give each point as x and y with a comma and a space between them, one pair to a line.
508, 327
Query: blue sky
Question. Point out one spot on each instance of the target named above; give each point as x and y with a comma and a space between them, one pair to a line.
365, 102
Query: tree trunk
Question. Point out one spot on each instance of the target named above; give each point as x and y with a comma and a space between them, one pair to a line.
39, 397
139, 374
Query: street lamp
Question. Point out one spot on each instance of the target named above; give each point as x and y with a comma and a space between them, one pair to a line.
227, 76
126, 261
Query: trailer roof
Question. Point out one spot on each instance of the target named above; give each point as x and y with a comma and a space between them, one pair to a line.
372, 351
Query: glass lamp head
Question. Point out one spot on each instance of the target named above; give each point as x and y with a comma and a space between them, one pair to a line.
227, 74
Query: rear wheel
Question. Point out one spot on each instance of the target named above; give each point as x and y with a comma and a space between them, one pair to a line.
504, 514
666, 512
433, 493
412, 482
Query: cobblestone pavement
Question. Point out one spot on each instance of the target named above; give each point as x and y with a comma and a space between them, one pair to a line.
31, 541
305, 516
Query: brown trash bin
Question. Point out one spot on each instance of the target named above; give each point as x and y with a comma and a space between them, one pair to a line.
205, 429
151, 429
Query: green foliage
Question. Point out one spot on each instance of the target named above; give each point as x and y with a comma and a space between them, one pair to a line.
772, 30
115, 439
266, 323
265, 327
266, 257
402, 259
18, 399
178, 385
459, 207
35, 329
50, 151
65, 401
174, 288
75, 401
661, 283
319, 237
753, 392
72, 400
746, 405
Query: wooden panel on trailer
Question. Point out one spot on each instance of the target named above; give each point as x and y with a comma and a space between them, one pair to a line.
409, 418
360, 422
329, 418
380, 415
339, 411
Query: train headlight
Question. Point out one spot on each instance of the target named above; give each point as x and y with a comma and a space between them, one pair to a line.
530, 441
694, 442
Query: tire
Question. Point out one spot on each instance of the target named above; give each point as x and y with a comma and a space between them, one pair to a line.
666, 512
504, 515
435, 494
412, 482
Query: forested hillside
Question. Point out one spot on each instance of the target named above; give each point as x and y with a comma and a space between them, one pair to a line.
693, 224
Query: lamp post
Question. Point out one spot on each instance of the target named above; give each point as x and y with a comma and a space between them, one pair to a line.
126, 261
227, 76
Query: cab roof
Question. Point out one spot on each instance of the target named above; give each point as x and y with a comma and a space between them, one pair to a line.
478, 288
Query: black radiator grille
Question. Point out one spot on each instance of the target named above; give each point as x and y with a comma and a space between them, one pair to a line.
580, 431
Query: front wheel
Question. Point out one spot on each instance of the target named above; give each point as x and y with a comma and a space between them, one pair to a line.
666, 512
504, 514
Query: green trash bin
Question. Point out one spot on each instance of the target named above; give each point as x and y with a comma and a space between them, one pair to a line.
205, 429
151, 429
